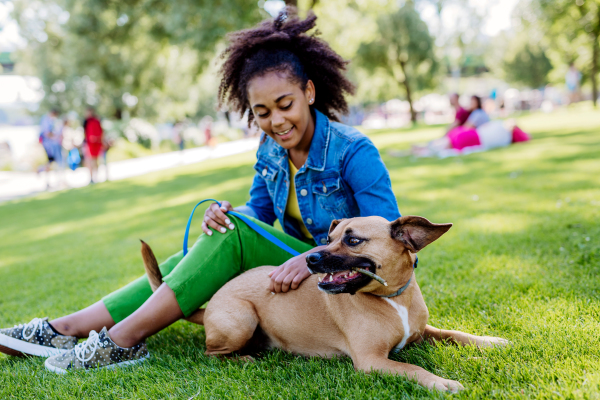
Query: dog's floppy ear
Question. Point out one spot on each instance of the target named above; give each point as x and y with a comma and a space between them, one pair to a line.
334, 223
417, 232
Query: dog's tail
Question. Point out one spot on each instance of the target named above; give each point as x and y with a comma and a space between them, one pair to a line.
155, 279
151, 265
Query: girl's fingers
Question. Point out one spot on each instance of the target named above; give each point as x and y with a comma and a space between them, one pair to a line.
221, 217
205, 229
285, 284
212, 221
226, 205
276, 274
275, 271
215, 226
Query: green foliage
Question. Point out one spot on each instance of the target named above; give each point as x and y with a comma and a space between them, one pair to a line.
403, 49
517, 264
572, 32
139, 56
529, 66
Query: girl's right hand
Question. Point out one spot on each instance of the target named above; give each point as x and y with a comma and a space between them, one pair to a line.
215, 218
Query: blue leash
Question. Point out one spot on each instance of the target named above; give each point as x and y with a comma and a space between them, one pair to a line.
257, 228
261, 231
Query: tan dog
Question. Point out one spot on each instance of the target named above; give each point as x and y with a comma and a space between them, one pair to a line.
340, 312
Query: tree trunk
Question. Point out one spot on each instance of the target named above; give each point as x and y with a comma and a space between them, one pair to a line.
291, 3
595, 71
313, 3
413, 114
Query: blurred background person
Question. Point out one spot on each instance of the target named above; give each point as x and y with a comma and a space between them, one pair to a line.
51, 140
93, 142
461, 114
573, 82
477, 115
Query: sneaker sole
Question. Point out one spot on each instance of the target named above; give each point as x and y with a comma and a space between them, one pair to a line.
19, 348
58, 370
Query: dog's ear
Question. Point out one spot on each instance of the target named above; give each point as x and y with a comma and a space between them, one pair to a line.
417, 232
334, 224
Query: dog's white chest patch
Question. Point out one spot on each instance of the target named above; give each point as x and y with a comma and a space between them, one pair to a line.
403, 314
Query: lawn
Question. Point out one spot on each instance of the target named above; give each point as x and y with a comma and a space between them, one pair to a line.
521, 262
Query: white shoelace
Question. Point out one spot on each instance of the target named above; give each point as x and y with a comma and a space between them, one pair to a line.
86, 346
34, 325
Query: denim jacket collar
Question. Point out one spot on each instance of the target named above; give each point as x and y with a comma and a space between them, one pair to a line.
318, 148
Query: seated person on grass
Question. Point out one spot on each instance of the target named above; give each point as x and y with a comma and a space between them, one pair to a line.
310, 170
478, 133
461, 115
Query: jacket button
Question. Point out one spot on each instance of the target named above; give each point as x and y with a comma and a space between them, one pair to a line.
309, 221
303, 192
264, 173
323, 241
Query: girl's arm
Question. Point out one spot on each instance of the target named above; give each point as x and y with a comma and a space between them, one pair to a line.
364, 171
260, 205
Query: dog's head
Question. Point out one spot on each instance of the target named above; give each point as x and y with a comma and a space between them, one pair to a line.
385, 248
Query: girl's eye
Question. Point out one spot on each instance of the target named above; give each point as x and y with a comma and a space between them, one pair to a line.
288, 106
263, 115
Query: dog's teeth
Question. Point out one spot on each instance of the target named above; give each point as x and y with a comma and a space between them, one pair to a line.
320, 279
330, 278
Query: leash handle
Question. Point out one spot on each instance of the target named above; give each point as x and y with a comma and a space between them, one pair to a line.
257, 228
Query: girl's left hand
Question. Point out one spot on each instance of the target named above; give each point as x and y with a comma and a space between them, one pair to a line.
290, 274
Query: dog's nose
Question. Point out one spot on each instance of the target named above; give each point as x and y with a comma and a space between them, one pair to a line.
313, 258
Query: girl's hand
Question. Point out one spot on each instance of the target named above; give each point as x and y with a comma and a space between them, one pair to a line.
215, 218
290, 274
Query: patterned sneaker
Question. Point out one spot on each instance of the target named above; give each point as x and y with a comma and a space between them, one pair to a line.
99, 351
36, 338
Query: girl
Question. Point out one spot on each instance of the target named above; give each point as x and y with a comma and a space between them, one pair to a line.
310, 170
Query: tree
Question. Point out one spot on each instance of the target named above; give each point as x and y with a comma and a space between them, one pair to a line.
567, 22
121, 55
404, 49
529, 66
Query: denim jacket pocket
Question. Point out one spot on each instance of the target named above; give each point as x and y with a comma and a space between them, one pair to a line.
331, 196
266, 169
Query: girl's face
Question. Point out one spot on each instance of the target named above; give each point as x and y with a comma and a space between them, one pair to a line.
474, 103
281, 109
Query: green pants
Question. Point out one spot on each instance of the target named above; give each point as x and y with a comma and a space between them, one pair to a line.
209, 264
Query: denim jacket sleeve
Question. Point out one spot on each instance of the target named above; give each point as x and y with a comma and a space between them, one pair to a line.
260, 205
373, 190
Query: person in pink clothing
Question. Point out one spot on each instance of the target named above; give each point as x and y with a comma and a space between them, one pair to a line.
461, 115
476, 134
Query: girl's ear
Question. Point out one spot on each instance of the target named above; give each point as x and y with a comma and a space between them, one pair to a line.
309, 92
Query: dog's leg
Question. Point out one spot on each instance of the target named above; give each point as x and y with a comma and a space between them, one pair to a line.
197, 317
432, 335
381, 363
230, 327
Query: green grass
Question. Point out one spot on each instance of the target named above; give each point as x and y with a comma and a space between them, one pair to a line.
521, 262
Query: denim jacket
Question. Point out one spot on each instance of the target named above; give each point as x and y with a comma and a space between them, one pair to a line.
343, 177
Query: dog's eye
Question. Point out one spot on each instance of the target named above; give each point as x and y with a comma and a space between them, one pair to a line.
352, 241
328, 240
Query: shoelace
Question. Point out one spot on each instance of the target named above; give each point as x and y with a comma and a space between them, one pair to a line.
34, 325
86, 346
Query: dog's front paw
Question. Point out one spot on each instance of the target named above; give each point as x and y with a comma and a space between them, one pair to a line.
446, 385
490, 341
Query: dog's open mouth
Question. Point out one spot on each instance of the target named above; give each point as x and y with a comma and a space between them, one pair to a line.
339, 278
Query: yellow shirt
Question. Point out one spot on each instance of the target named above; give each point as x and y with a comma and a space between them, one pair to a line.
292, 209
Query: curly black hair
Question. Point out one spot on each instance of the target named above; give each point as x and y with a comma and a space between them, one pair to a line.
282, 45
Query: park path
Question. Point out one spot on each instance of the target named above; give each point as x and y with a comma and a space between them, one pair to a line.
14, 185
